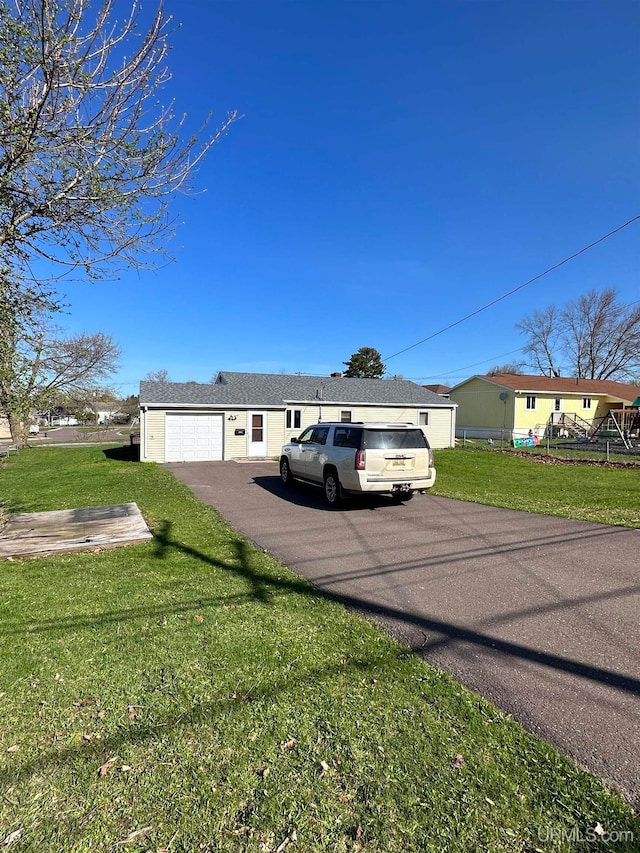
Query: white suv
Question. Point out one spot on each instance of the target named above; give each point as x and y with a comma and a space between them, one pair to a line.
360, 458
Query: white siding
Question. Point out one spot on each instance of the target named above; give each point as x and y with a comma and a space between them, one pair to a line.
152, 429
235, 446
439, 431
277, 435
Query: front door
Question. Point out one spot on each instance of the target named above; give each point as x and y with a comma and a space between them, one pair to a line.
257, 434
557, 411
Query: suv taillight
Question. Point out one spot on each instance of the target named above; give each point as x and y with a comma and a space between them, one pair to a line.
431, 464
360, 460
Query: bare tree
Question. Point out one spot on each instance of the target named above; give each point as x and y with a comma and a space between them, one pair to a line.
542, 330
36, 364
602, 335
89, 156
509, 369
157, 376
596, 335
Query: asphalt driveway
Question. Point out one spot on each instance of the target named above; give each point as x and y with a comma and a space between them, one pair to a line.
538, 614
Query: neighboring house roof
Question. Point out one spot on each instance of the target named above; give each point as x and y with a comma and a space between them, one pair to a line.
438, 389
274, 389
560, 385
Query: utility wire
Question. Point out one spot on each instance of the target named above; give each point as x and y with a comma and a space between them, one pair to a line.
457, 370
515, 289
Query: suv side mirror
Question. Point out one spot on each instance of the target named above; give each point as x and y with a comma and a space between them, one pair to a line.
295, 441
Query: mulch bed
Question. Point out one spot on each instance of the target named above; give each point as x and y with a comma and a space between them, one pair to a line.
562, 460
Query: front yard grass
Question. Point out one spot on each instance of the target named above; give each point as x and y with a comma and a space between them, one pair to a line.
524, 482
191, 694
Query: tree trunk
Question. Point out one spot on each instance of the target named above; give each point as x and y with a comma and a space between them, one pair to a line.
19, 431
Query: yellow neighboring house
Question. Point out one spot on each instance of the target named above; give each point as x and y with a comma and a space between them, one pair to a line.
515, 406
5, 432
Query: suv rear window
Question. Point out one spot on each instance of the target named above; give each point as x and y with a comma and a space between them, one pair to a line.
393, 439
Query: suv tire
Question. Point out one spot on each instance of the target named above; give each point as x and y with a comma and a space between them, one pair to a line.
285, 472
331, 487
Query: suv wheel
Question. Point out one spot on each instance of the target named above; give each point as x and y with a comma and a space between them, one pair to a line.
285, 472
331, 487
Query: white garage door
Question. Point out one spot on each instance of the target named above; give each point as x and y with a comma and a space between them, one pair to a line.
193, 438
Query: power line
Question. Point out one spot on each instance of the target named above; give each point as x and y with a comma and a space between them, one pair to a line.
466, 366
515, 289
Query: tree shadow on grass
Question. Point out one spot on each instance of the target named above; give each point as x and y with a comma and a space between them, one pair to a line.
148, 730
8, 508
265, 586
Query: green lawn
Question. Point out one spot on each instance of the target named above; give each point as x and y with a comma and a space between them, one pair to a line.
191, 694
587, 492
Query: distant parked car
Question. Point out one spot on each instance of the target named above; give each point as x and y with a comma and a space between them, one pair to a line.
34, 429
352, 458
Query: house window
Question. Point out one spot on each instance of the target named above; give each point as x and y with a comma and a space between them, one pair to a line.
531, 402
557, 404
423, 418
294, 418
345, 416
586, 402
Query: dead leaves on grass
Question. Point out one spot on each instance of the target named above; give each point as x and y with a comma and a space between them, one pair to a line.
138, 833
290, 839
13, 836
111, 762
104, 768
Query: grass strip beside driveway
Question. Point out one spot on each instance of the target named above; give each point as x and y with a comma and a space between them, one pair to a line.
584, 492
192, 694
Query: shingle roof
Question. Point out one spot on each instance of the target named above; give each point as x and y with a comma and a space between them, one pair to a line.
181, 393
562, 385
438, 389
270, 389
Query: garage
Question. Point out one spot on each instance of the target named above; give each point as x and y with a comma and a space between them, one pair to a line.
193, 437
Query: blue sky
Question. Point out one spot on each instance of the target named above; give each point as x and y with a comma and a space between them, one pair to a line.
399, 165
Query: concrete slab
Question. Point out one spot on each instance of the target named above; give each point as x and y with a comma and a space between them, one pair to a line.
34, 534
